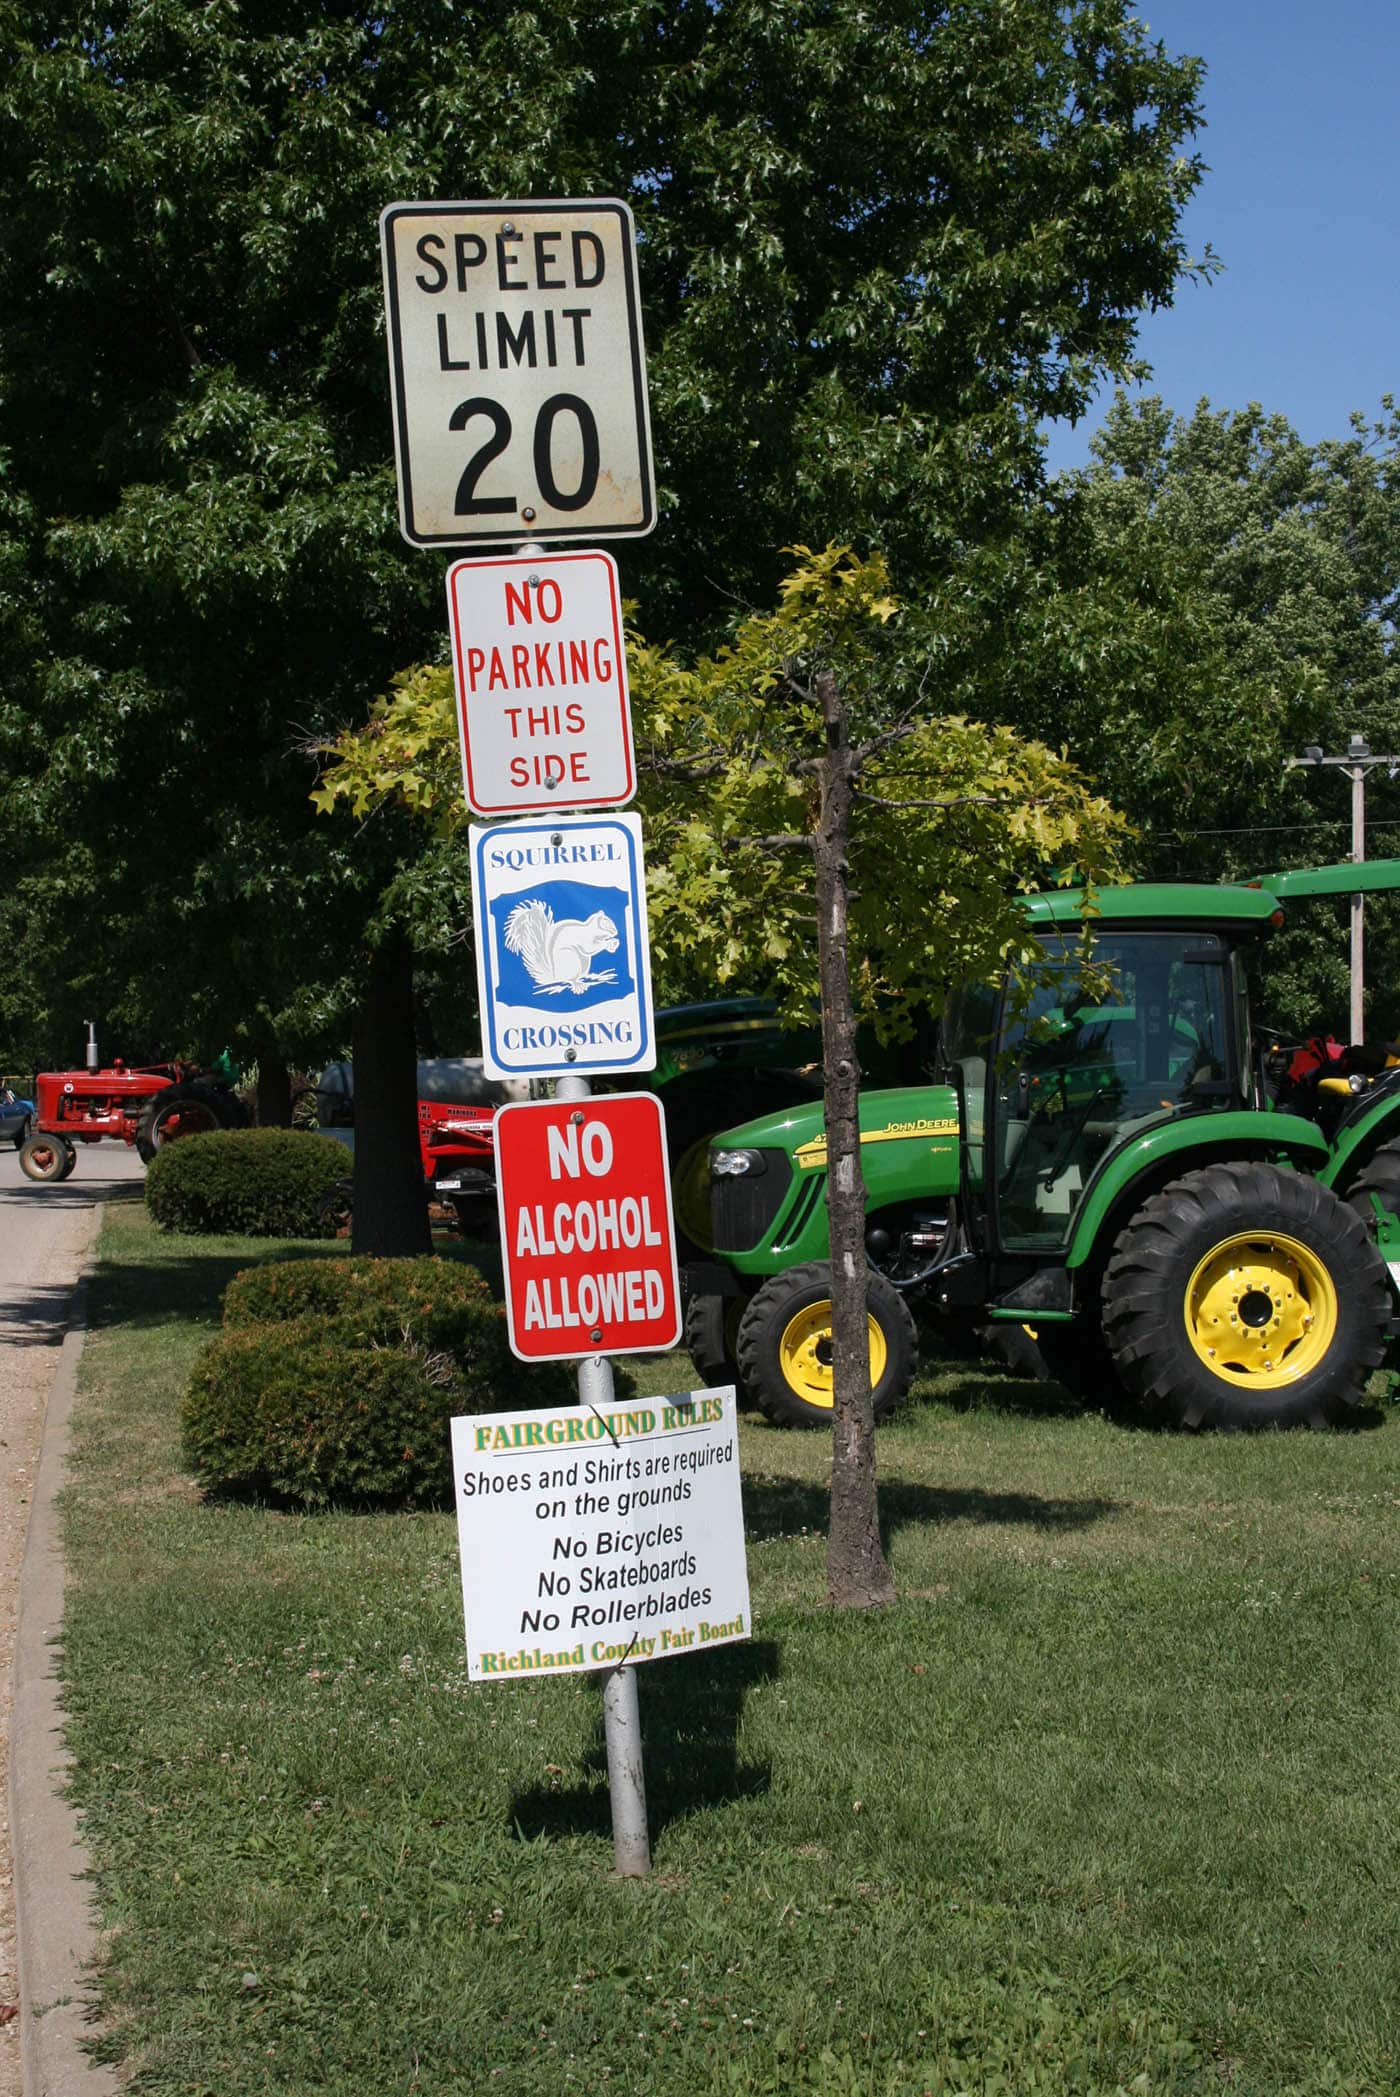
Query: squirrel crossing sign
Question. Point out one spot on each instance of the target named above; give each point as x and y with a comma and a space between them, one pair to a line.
517, 371
562, 961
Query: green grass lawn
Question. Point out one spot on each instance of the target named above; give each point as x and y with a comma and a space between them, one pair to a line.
1110, 1800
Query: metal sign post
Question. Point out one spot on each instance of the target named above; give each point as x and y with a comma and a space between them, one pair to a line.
518, 379
622, 1715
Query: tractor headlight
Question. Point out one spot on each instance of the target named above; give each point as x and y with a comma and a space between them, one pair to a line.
735, 1164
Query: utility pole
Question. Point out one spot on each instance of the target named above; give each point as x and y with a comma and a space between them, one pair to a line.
1356, 761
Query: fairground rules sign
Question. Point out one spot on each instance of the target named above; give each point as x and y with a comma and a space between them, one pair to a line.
517, 371
591, 1537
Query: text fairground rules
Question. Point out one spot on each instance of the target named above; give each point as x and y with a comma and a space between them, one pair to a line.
592, 1538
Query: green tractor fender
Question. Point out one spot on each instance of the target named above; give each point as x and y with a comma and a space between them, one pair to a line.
1359, 1141
1129, 1175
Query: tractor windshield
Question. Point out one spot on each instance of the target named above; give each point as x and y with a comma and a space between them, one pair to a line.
1078, 1069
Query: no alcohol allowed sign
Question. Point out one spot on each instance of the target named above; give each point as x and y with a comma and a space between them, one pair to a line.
587, 1237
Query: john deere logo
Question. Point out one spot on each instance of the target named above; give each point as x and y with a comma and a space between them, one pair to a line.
814, 1153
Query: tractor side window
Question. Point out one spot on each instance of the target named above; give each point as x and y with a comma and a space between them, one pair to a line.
1087, 1065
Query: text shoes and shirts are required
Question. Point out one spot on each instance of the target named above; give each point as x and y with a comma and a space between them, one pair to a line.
543, 712
517, 371
593, 1536
588, 1242
562, 955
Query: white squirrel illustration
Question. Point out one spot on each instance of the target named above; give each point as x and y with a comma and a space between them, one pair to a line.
558, 956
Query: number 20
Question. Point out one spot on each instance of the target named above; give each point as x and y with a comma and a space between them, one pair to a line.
468, 503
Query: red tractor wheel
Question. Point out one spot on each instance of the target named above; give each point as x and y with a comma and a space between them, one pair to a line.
47, 1158
182, 1110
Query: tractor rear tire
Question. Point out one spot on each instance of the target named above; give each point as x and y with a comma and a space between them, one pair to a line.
181, 1110
1380, 1175
22, 1133
784, 1346
47, 1157
1245, 1296
712, 1342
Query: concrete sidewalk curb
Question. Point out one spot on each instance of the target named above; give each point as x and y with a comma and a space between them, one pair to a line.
56, 1925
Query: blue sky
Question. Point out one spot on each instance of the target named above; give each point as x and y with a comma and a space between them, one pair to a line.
1301, 202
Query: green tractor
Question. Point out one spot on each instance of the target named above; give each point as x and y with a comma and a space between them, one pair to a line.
1118, 1172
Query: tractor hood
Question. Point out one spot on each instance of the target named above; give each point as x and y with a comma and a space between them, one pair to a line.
917, 1121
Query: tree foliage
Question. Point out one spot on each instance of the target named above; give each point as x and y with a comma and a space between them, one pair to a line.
1214, 595
880, 239
954, 819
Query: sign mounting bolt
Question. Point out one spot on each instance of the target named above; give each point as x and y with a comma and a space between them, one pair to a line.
595, 1337
528, 514
571, 1055
508, 226
558, 838
576, 1118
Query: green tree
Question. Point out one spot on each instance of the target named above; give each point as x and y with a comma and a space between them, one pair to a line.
880, 240
1210, 596
796, 776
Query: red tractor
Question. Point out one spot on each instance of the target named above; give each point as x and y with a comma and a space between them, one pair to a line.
147, 1106
456, 1116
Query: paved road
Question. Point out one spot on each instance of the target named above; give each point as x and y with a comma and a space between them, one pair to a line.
45, 1231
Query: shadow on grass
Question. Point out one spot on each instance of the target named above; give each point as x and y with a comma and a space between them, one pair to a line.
690, 1713
778, 1507
190, 1284
184, 1285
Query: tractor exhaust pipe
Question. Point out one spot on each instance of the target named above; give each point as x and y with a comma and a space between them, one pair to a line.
93, 1060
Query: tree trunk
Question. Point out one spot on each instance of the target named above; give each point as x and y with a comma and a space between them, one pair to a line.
857, 1575
390, 1215
274, 1091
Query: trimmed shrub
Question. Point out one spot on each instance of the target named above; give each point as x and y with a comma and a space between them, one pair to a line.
292, 1411
333, 1381
255, 1183
376, 1298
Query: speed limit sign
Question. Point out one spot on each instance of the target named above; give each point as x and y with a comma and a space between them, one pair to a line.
518, 373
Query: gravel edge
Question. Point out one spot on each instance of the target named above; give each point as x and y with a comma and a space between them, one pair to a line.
58, 1935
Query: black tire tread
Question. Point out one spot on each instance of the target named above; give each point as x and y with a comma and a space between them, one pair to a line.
775, 1304
1142, 1288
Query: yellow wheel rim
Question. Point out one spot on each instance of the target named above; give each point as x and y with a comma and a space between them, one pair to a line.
804, 1354
1261, 1310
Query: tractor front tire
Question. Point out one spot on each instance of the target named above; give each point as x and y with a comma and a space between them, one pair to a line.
1245, 1296
712, 1342
181, 1110
47, 1157
784, 1346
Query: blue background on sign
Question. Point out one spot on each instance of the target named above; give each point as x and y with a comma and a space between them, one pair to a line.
571, 902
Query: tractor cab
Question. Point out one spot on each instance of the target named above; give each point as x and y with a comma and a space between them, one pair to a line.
1056, 1077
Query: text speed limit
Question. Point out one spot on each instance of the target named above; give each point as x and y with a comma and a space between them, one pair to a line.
515, 351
